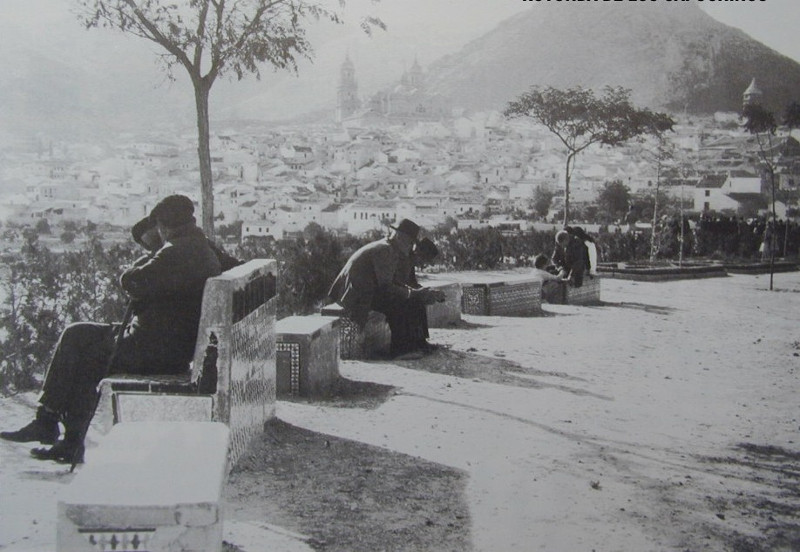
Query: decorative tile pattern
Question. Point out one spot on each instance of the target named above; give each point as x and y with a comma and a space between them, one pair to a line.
291, 352
118, 540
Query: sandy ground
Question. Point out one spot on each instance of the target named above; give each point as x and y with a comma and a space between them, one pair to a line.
665, 419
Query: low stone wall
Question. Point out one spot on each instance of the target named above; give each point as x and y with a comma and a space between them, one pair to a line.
761, 268
662, 274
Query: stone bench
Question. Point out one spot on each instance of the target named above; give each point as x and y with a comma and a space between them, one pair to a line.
152, 486
448, 312
374, 340
233, 375
587, 294
497, 293
307, 355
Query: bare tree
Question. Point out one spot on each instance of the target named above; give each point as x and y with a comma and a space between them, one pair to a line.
660, 154
580, 119
212, 38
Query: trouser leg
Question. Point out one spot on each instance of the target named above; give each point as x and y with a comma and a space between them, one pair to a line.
407, 319
78, 364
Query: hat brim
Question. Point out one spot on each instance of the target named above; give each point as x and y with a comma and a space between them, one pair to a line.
138, 229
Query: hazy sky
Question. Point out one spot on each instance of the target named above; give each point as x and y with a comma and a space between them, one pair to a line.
450, 22
421, 29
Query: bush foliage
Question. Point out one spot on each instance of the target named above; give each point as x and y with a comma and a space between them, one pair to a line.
44, 291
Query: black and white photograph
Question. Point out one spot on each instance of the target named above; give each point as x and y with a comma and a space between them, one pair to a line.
400, 275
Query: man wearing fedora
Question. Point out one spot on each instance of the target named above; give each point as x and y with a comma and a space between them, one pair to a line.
167, 289
145, 233
379, 277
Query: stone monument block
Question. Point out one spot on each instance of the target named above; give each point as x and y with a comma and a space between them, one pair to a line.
307, 355
154, 486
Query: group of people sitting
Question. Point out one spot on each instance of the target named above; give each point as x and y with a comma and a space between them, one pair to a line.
165, 288
574, 257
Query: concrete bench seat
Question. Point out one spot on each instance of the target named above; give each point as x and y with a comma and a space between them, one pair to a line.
374, 340
154, 481
497, 293
587, 294
232, 378
152, 486
307, 355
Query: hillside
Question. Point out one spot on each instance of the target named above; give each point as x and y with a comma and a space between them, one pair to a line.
670, 55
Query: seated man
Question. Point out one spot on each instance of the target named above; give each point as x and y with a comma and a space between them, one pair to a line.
550, 281
379, 277
416, 327
166, 291
570, 258
145, 233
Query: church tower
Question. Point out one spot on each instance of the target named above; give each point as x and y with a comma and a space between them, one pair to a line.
415, 75
347, 101
753, 94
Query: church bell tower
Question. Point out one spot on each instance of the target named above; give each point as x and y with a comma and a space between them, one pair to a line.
347, 101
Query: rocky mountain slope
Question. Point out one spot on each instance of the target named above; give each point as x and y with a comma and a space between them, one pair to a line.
670, 55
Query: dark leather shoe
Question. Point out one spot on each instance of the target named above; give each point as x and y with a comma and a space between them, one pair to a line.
63, 452
38, 430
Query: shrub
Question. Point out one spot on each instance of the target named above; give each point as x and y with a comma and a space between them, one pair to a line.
44, 292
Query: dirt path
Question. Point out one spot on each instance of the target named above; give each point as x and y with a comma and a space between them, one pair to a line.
665, 419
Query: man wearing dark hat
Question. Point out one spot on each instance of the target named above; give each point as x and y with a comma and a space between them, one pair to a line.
167, 288
378, 277
570, 257
145, 233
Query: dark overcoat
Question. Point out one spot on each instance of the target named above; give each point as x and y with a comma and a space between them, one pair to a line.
374, 269
168, 291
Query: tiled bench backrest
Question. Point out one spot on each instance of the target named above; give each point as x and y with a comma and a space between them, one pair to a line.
233, 373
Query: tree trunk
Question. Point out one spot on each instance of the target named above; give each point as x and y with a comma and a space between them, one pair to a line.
567, 176
680, 239
201, 93
655, 218
773, 245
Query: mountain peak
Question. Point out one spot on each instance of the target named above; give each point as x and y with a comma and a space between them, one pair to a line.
671, 55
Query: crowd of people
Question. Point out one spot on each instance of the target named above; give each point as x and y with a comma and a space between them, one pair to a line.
753, 238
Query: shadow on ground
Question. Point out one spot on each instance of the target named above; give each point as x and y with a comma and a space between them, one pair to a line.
751, 503
351, 394
775, 505
348, 496
471, 365
654, 309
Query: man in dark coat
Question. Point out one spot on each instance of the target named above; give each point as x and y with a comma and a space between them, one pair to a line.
166, 289
570, 258
378, 277
145, 233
